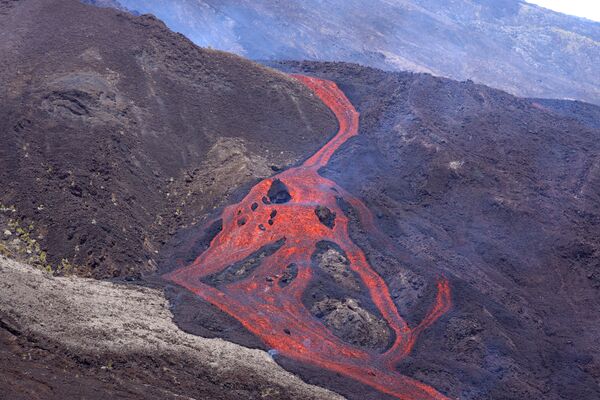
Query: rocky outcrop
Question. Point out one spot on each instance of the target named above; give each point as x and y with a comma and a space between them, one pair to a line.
352, 323
120, 339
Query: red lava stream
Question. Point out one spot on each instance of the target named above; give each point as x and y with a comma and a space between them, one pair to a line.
274, 312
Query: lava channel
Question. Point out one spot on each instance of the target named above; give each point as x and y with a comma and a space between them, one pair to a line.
281, 209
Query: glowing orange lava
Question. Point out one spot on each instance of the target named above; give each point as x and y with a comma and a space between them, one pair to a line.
274, 312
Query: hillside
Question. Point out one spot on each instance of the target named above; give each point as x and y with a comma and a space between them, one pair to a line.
508, 44
116, 131
500, 195
304, 230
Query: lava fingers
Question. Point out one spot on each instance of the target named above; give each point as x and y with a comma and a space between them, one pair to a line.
258, 267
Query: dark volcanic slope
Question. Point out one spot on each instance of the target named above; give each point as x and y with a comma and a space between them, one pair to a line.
501, 195
509, 44
114, 130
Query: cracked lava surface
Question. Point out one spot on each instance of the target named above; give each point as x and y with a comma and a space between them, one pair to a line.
281, 211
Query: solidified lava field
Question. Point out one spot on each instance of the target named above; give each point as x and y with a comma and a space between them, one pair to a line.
291, 213
120, 138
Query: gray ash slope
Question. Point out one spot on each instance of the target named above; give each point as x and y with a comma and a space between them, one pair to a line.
115, 130
508, 44
498, 193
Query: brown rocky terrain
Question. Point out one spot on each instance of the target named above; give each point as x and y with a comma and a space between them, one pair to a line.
116, 131
121, 141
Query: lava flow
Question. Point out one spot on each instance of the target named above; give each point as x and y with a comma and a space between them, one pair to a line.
281, 213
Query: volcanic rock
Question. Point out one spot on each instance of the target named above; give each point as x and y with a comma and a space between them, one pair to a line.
326, 216
337, 266
278, 193
106, 116
352, 323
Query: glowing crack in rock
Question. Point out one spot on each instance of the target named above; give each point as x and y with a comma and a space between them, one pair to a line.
280, 212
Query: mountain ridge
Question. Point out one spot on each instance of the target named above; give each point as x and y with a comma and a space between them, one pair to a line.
509, 44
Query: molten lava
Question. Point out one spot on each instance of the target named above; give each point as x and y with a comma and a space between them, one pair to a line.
268, 301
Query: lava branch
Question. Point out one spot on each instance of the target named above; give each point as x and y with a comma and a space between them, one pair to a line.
278, 225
